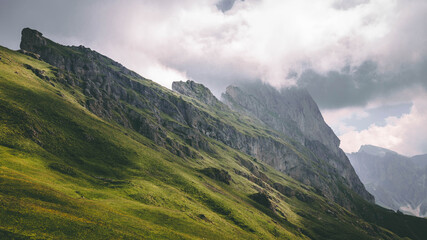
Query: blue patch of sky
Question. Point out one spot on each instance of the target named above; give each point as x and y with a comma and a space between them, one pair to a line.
378, 116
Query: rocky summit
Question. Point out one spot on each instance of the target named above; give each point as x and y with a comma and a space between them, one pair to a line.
91, 150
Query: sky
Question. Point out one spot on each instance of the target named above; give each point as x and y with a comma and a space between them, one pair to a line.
363, 61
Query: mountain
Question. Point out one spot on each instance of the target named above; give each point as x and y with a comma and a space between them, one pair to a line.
92, 150
293, 113
396, 181
114, 96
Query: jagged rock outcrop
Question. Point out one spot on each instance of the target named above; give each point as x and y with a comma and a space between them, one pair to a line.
195, 90
396, 181
117, 94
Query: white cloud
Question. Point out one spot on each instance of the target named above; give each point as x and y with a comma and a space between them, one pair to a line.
256, 39
164, 75
406, 134
261, 39
336, 117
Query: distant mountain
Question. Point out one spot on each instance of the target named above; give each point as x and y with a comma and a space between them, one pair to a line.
420, 160
396, 181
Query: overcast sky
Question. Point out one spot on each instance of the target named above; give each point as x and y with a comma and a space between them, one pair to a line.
363, 61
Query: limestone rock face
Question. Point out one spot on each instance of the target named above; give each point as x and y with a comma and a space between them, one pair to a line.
290, 111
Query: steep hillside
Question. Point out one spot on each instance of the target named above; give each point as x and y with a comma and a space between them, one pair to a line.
91, 150
396, 181
169, 120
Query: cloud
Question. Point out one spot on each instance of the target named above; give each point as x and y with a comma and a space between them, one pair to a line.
337, 118
218, 42
348, 4
406, 134
164, 75
357, 86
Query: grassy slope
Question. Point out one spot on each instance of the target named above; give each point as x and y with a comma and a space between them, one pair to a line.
64, 173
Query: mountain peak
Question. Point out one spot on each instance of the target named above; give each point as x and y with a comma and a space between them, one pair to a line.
374, 150
195, 90
31, 32
291, 111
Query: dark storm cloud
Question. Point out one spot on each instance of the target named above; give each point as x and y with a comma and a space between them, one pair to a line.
337, 89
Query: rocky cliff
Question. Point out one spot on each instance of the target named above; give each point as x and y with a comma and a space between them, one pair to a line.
291, 111
197, 91
396, 181
295, 114
182, 125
